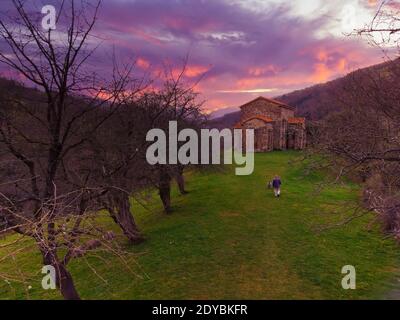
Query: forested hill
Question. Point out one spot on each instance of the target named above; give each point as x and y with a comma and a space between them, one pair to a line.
314, 102
317, 101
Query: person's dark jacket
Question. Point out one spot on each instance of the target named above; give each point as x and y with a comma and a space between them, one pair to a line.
276, 183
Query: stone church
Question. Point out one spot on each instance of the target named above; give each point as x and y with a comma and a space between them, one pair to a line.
274, 123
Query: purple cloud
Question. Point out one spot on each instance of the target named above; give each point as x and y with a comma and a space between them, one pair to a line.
242, 51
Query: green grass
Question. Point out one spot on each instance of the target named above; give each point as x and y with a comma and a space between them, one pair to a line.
229, 238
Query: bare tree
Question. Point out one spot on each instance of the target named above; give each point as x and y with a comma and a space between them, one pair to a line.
363, 140
177, 102
115, 159
116, 156
384, 29
41, 134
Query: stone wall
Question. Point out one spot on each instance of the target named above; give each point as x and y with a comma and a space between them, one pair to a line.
296, 136
286, 113
263, 139
280, 133
283, 132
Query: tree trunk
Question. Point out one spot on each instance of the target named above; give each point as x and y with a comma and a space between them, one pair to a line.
65, 283
121, 214
64, 280
180, 179
164, 190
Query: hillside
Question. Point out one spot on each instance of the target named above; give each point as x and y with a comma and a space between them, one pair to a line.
317, 101
229, 238
226, 121
314, 102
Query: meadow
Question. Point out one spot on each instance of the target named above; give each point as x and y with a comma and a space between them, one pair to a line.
229, 238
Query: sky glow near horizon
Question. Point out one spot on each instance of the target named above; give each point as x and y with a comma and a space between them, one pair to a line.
239, 48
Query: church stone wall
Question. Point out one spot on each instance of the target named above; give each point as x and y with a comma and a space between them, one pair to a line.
280, 131
296, 136
263, 139
286, 113
283, 132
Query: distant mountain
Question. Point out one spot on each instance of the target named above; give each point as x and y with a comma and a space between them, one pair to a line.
226, 121
314, 102
221, 112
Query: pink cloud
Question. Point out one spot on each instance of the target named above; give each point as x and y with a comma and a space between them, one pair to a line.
143, 63
239, 51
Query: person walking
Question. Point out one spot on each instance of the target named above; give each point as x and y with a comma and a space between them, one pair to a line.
276, 184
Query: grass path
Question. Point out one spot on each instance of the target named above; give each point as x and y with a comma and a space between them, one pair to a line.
231, 239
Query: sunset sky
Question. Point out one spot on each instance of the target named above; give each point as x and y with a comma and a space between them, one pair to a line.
242, 48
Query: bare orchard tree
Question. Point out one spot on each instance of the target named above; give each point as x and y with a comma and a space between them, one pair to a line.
174, 102
180, 179
115, 162
363, 140
42, 132
117, 157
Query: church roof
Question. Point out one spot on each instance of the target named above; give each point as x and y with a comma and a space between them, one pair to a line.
259, 117
297, 120
276, 102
